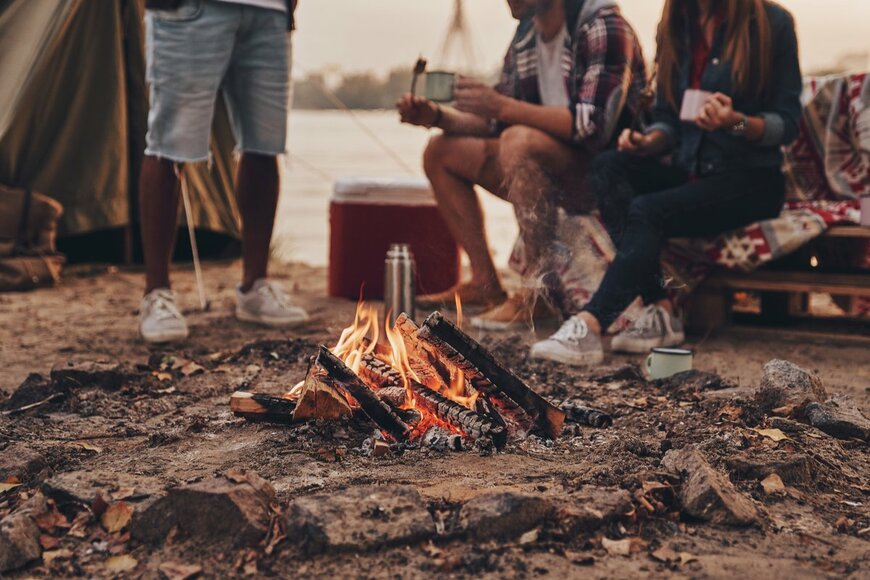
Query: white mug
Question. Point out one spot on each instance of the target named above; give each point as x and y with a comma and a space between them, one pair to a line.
666, 362
440, 85
693, 102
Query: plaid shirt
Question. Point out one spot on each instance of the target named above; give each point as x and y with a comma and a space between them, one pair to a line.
603, 69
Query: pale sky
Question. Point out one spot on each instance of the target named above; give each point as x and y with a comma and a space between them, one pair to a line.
377, 35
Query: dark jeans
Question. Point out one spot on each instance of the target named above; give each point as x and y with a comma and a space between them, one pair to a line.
644, 203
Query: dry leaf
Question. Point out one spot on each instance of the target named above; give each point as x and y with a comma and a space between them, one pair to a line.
236, 476
686, 557
731, 412
166, 391
123, 493
4, 487
179, 571
89, 447
224, 368
774, 434
117, 517
529, 537
191, 368
215, 356
162, 376
773, 484
48, 542
123, 563
51, 555
665, 554
12, 479
50, 520
624, 547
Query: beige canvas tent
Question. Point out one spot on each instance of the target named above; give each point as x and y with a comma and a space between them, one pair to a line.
73, 110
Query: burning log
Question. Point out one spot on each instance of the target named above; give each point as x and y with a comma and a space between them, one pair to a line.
377, 410
321, 398
588, 416
473, 424
469, 422
261, 407
475, 361
395, 396
434, 353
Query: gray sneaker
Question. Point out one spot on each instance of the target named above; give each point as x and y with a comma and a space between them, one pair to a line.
655, 328
265, 303
159, 317
573, 344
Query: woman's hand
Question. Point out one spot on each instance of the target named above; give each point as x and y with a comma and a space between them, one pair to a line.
717, 113
642, 145
417, 110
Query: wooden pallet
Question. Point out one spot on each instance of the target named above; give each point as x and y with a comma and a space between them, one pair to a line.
783, 293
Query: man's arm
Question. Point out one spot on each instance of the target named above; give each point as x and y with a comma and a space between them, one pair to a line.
422, 112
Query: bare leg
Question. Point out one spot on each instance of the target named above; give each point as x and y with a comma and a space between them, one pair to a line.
453, 164
257, 197
158, 208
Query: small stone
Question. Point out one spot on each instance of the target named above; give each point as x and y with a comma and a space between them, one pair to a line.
839, 419
784, 383
75, 374
772, 484
591, 508
503, 515
21, 462
381, 448
89, 487
214, 511
19, 540
359, 519
707, 494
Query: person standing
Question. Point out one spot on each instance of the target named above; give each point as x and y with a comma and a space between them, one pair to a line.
726, 170
198, 50
572, 77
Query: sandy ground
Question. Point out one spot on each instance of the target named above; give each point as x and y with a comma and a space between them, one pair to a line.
179, 429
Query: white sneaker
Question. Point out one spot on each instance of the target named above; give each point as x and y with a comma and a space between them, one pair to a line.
655, 328
265, 303
159, 317
572, 344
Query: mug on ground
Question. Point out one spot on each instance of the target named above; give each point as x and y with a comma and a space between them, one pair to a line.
666, 362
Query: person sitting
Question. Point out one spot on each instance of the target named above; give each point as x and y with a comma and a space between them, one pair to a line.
572, 75
726, 169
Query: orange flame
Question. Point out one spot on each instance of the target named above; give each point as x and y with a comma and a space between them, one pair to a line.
458, 301
399, 359
352, 345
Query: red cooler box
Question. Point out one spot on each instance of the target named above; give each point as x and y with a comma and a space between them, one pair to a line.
366, 215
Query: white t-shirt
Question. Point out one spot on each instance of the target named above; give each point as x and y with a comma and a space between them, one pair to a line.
267, 4
551, 83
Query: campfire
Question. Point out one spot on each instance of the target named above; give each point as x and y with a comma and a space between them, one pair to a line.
430, 382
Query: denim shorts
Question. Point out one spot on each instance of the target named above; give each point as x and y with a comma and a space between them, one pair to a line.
205, 48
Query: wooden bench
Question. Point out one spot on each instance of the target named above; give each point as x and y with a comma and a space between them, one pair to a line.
783, 293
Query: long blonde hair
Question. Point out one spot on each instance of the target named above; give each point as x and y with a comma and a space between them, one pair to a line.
750, 69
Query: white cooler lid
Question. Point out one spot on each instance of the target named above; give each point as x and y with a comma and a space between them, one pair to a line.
383, 190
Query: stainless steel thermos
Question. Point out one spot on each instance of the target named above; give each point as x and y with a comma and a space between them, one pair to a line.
400, 274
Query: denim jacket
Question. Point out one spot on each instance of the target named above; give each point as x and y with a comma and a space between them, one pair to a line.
706, 153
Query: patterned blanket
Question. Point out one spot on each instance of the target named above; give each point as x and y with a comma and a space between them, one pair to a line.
827, 169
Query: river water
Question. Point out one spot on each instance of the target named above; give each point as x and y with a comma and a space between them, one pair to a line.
327, 145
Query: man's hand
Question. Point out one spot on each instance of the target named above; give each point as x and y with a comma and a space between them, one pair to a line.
717, 113
642, 145
417, 110
472, 96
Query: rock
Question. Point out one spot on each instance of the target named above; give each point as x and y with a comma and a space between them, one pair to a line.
793, 468
591, 508
233, 511
87, 487
74, 374
839, 419
707, 494
21, 462
19, 536
503, 515
784, 383
358, 519
34, 389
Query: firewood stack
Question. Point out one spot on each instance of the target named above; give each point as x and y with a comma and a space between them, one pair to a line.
494, 404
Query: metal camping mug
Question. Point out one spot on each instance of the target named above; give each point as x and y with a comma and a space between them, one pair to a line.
440, 86
400, 274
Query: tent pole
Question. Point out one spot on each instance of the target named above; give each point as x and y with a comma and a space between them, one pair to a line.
188, 217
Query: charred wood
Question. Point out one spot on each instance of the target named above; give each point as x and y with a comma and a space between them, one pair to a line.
475, 360
587, 416
381, 413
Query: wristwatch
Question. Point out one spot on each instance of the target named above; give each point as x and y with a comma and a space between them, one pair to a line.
738, 129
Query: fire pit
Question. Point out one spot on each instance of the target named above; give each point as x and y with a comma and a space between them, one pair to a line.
431, 383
